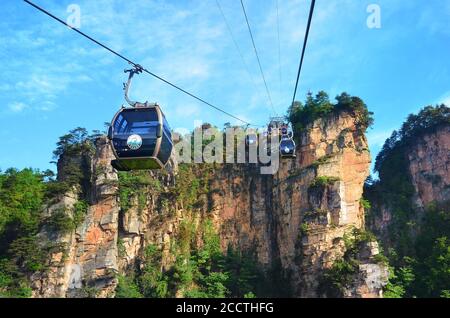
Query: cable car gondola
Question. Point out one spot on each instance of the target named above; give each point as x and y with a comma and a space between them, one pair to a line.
290, 134
287, 147
275, 125
286, 130
140, 135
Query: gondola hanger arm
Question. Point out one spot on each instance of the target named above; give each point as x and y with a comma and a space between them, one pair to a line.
134, 64
137, 69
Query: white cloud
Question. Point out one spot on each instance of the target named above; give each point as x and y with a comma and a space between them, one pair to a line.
188, 110
41, 85
46, 106
5, 87
84, 78
188, 44
436, 23
445, 99
377, 138
17, 107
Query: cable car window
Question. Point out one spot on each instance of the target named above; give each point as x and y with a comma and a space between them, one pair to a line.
123, 127
118, 122
166, 128
142, 128
136, 122
166, 124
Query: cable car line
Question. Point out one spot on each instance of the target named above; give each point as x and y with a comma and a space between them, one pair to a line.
235, 42
257, 56
311, 12
279, 45
133, 63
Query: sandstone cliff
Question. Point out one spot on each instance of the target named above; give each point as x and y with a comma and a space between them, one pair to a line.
91, 249
426, 173
409, 204
429, 166
295, 221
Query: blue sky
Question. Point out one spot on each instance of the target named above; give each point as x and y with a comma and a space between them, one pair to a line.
53, 80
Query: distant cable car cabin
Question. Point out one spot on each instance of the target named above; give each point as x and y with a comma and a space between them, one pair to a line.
287, 147
140, 135
275, 125
278, 127
287, 144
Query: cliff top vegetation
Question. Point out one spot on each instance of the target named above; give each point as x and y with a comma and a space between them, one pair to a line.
320, 106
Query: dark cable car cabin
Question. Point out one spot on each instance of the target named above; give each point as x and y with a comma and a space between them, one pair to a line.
287, 131
141, 138
140, 135
287, 147
275, 124
290, 134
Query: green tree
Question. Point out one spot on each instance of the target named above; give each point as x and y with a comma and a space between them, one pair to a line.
21, 199
152, 281
127, 288
320, 106
76, 141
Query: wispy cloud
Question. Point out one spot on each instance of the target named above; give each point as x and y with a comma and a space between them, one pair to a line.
445, 99
55, 72
436, 23
41, 84
46, 106
377, 138
187, 110
17, 107
186, 43
5, 87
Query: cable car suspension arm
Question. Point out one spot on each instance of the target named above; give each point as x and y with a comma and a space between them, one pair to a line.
137, 69
135, 64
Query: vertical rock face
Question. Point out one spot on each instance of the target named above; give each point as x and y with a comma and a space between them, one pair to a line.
429, 165
144, 225
428, 170
294, 221
87, 267
285, 219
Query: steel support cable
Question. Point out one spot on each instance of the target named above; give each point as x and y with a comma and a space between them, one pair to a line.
135, 64
279, 46
235, 42
311, 12
257, 56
